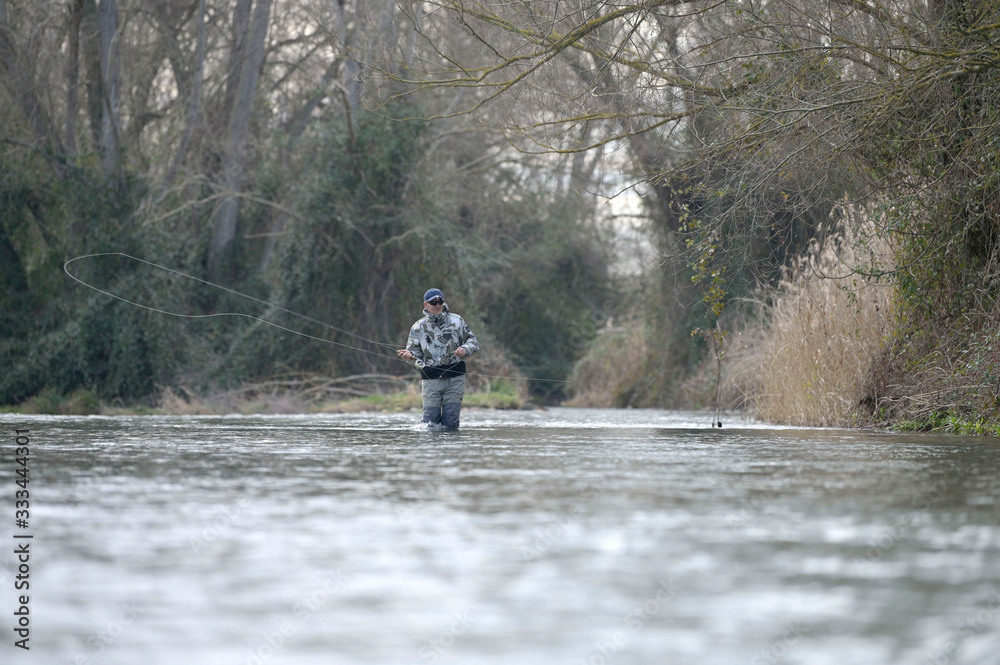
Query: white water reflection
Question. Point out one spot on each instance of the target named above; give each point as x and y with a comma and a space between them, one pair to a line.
559, 536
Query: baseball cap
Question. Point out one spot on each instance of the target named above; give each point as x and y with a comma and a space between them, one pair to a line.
433, 293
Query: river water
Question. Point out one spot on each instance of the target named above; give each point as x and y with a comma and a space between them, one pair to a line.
559, 536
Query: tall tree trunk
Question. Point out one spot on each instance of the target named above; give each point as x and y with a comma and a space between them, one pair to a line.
194, 105
107, 20
91, 47
237, 53
251, 46
73, 74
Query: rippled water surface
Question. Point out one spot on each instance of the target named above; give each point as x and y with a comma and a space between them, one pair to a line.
559, 537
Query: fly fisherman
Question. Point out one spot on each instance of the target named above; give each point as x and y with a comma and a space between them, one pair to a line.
439, 343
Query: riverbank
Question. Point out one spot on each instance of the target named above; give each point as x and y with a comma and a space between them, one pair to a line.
500, 397
245, 401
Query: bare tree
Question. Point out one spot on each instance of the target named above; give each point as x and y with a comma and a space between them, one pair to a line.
247, 57
22, 87
110, 56
773, 105
73, 73
194, 105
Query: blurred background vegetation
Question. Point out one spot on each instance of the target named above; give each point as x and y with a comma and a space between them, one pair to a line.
787, 206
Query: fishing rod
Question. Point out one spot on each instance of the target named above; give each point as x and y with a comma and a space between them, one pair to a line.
304, 317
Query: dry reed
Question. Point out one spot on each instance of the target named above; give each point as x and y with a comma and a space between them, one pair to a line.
824, 330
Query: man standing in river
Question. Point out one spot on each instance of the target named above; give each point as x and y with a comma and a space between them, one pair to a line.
439, 343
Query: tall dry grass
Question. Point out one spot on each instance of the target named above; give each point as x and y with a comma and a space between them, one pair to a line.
823, 330
610, 367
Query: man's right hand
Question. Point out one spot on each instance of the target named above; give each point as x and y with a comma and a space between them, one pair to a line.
405, 354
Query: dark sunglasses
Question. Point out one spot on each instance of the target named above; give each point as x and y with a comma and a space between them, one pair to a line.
435, 302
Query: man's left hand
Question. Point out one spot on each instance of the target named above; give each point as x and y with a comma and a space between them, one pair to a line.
461, 352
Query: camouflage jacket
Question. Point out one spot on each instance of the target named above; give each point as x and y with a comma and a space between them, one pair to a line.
434, 340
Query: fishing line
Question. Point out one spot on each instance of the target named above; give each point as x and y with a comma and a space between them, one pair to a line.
324, 324
217, 314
